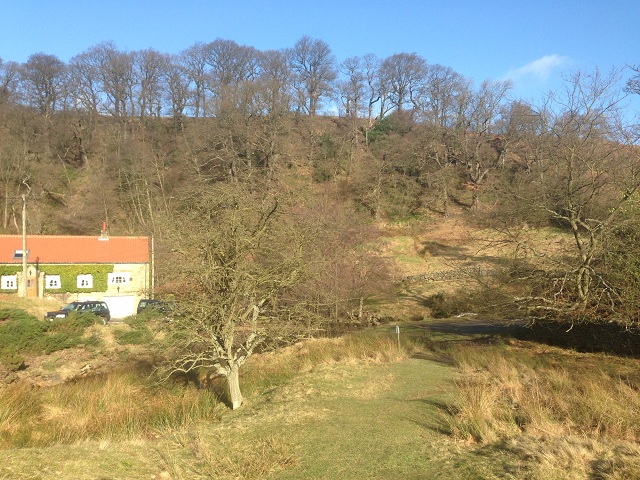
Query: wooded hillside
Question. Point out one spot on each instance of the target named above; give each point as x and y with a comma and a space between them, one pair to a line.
141, 140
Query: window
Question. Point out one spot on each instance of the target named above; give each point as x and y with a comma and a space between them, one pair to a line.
17, 254
52, 281
9, 282
119, 278
85, 281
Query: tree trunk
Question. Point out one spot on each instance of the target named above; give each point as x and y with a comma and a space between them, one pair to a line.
445, 198
5, 217
233, 384
583, 282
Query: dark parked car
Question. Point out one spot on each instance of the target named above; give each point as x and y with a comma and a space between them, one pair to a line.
155, 305
97, 308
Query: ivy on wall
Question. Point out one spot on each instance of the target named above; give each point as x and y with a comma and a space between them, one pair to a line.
69, 277
10, 269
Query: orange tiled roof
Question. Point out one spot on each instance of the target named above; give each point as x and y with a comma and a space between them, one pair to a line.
76, 249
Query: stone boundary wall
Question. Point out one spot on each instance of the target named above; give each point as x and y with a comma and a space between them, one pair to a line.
452, 274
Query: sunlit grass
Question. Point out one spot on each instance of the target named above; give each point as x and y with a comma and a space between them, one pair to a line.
548, 413
224, 458
117, 406
566, 411
270, 369
128, 404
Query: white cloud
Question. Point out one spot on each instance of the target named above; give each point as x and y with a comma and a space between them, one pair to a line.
540, 69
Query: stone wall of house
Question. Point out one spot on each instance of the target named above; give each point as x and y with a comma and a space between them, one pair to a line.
139, 280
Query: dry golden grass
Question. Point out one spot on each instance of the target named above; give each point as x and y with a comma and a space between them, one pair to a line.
575, 415
117, 406
574, 457
363, 346
125, 405
257, 460
219, 456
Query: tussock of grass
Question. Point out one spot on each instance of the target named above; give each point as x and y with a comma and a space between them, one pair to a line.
223, 458
579, 458
229, 460
549, 407
117, 406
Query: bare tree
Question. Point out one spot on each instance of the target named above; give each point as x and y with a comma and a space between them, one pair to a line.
352, 92
229, 279
315, 70
150, 67
85, 86
230, 63
404, 75
116, 76
194, 61
484, 109
176, 88
598, 166
520, 120
339, 274
232, 68
9, 76
472, 144
371, 65
269, 117
13, 171
43, 78
586, 175
633, 84
352, 88
275, 80
443, 91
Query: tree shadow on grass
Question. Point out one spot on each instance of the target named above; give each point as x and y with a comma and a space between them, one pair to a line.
436, 249
214, 383
459, 254
467, 327
440, 333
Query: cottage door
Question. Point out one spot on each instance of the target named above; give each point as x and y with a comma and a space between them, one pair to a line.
32, 287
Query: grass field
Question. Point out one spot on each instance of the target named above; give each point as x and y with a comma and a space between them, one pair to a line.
360, 407
349, 418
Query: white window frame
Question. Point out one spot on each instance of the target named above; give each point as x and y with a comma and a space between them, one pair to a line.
9, 282
85, 281
119, 278
52, 282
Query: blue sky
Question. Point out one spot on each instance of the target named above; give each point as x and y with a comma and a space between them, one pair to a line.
532, 42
